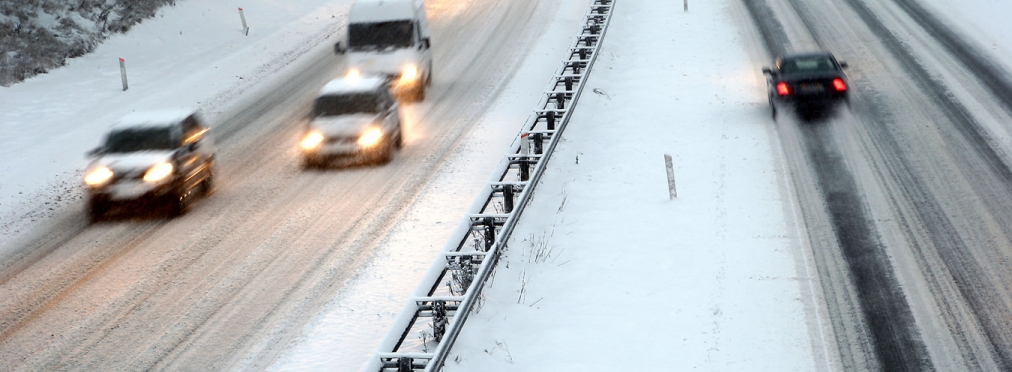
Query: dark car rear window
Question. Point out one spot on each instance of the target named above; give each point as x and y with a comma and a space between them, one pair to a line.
344, 104
808, 64
140, 139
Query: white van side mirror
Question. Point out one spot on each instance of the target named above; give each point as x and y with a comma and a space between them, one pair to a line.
426, 43
338, 49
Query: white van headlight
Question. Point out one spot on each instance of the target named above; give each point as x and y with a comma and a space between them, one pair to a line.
98, 176
158, 172
353, 73
370, 137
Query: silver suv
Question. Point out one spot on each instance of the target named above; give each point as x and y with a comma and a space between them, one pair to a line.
153, 158
353, 118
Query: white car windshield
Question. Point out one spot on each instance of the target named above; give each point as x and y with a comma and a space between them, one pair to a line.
345, 104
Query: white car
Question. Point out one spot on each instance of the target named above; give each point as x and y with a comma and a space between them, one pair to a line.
353, 118
153, 158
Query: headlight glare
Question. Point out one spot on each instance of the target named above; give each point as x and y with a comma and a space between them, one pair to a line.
312, 140
410, 73
98, 176
353, 74
371, 137
158, 172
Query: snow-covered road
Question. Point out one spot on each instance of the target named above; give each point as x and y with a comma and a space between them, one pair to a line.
875, 239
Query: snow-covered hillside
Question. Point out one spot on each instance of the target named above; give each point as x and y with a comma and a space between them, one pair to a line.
39, 35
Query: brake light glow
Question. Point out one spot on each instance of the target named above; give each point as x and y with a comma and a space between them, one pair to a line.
783, 89
839, 85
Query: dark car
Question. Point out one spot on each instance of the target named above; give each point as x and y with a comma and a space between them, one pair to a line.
807, 81
153, 158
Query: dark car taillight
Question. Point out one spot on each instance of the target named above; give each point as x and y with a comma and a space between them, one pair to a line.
783, 89
839, 85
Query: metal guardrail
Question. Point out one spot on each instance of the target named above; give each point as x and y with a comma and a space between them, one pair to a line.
453, 285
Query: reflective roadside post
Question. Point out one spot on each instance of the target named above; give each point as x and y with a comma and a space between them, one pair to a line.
122, 72
242, 16
672, 193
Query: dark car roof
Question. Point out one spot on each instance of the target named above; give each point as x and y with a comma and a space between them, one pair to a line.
805, 55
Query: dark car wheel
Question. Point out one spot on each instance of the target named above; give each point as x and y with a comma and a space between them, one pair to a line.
207, 186
309, 162
97, 209
178, 203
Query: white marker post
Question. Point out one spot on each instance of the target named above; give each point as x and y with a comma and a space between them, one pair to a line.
122, 72
525, 147
671, 177
245, 29
685, 5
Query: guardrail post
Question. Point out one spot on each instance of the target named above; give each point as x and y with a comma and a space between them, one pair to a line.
569, 82
438, 319
489, 223
507, 198
404, 364
538, 146
525, 172
550, 119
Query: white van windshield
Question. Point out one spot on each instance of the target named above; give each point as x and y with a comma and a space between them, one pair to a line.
382, 35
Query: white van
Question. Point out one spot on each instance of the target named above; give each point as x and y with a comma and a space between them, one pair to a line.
390, 38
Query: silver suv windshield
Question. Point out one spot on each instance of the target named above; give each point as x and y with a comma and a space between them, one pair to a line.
140, 139
382, 35
345, 104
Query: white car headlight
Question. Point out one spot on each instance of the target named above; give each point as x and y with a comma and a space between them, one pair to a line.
158, 172
353, 73
98, 176
370, 137
312, 140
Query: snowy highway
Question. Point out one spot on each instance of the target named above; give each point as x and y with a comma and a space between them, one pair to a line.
231, 283
882, 238
906, 194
